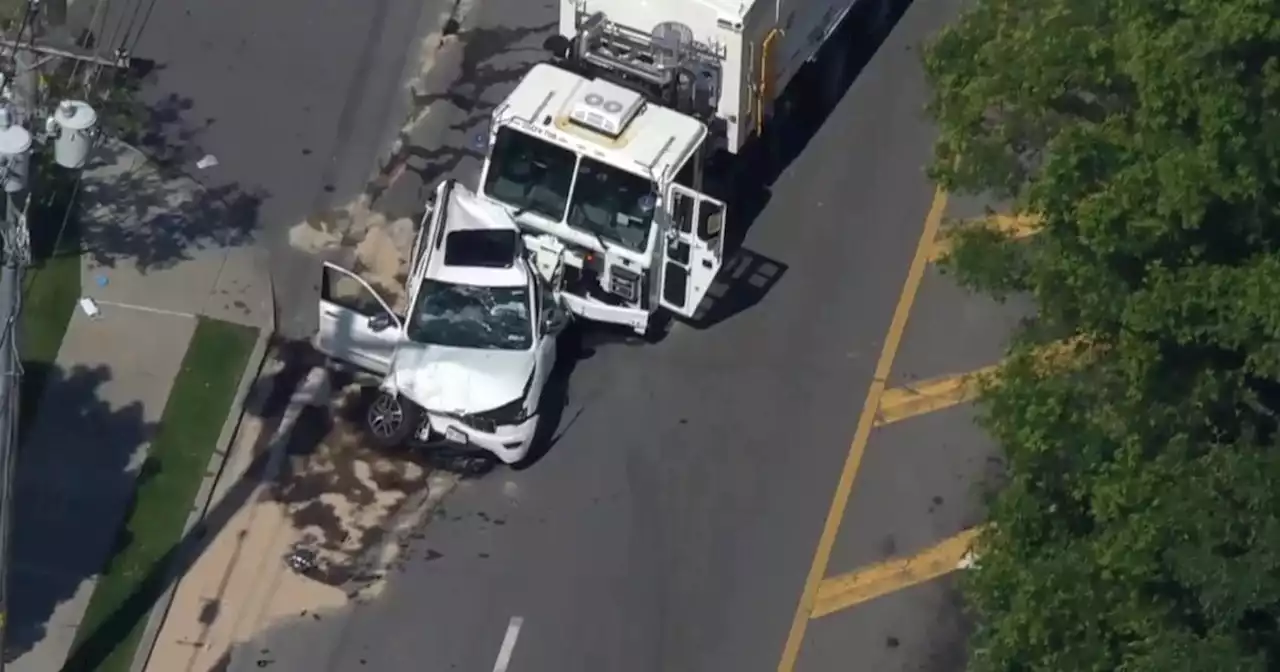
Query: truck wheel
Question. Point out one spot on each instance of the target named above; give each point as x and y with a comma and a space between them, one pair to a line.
659, 327
392, 420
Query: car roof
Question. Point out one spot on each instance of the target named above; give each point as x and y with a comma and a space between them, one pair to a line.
480, 227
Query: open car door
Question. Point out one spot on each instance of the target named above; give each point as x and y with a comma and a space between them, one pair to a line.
356, 325
693, 251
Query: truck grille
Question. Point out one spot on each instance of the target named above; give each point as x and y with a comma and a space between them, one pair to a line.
624, 283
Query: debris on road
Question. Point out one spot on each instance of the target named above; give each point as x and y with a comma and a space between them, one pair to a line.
349, 503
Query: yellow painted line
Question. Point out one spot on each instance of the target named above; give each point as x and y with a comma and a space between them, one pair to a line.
936, 394
848, 590
844, 487
1016, 227
928, 396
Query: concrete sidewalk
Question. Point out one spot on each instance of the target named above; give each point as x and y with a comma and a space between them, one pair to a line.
321, 490
158, 251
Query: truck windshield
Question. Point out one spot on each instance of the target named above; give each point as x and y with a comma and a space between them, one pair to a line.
530, 174
467, 316
613, 204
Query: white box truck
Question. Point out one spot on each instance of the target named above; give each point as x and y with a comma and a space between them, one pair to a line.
602, 152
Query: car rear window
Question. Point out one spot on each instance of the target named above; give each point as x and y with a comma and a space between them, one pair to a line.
481, 248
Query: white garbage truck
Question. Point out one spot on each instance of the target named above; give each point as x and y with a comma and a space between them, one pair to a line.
602, 153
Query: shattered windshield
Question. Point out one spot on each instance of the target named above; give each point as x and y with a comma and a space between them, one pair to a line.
530, 174
467, 316
613, 204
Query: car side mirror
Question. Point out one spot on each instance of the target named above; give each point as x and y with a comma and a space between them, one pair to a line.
380, 322
554, 321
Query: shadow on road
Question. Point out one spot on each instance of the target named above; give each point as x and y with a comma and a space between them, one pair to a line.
742, 282
492, 60
571, 348
803, 108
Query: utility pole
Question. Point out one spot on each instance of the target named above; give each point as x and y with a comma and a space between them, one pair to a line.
72, 128
15, 144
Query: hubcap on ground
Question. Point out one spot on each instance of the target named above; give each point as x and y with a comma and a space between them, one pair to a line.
385, 416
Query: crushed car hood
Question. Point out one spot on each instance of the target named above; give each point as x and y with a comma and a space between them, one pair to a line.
460, 380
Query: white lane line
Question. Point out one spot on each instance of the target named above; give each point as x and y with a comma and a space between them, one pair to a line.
508, 644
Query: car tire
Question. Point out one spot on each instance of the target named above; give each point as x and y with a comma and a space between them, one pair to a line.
391, 420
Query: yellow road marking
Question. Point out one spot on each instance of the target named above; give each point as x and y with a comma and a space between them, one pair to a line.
936, 394
928, 396
1016, 227
844, 487
848, 590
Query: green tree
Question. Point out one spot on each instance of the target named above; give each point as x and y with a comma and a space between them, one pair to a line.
1139, 527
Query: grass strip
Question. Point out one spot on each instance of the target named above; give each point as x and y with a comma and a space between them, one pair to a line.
51, 287
137, 573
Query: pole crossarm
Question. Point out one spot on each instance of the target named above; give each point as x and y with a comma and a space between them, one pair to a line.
121, 61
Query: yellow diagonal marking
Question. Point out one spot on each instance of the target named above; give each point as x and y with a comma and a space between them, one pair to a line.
928, 396
847, 590
936, 394
1016, 227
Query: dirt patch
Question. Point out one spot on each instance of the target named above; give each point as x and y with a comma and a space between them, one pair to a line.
344, 497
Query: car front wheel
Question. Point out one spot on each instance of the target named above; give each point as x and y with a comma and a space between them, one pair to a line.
392, 420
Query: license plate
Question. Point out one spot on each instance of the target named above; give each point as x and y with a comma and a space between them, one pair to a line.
455, 435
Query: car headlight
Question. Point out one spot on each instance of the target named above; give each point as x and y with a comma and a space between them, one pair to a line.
513, 413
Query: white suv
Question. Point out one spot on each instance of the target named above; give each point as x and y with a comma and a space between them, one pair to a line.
467, 364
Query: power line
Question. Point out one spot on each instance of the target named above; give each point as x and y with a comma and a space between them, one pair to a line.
100, 10
146, 18
23, 100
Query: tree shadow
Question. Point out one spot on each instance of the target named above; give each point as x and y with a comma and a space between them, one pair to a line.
268, 401
482, 81
156, 126
270, 396
75, 480
165, 134
136, 212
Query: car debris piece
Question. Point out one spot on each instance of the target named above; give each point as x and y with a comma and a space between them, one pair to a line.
90, 307
301, 560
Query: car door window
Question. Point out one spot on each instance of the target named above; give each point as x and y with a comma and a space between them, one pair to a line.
346, 291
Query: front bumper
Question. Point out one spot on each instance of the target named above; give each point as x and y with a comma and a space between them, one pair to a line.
509, 443
598, 311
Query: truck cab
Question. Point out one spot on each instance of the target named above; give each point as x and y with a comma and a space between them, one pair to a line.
465, 359
606, 188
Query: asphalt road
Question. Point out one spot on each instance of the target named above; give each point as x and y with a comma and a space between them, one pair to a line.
296, 99
672, 524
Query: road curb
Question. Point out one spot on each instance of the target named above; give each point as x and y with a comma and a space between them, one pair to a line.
241, 405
